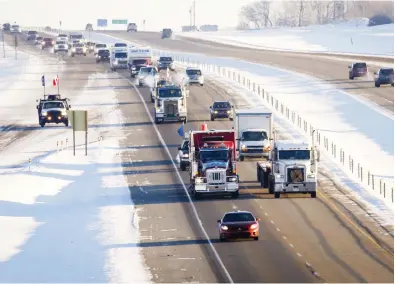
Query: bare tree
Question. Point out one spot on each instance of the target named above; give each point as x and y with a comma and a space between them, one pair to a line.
262, 9
301, 5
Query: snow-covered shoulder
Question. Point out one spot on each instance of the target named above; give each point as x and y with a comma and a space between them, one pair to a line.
353, 37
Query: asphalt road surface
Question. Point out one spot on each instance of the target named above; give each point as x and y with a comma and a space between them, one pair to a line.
326, 68
302, 239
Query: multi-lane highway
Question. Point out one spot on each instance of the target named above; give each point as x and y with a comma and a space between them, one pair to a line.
331, 69
302, 239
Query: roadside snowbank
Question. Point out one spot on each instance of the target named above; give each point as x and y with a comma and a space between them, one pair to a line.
332, 38
66, 216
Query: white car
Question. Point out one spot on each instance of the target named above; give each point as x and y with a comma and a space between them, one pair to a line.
16, 29
99, 46
61, 45
62, 37
194, 76
38, 40
78, 49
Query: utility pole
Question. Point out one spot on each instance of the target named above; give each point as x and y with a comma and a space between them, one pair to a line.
190, 16
2, 35
194, 14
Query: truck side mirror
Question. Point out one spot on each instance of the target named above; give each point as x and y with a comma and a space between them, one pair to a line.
349, 66
36, 107
179, 148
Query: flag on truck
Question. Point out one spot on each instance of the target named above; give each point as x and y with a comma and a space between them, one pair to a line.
180, 130
55, 81
43, 80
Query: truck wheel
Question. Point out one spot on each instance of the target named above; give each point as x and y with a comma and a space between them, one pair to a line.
84, 54
241, 158
377, 85
183, 167
66, 123
235, 194
212, 118
231, 118
277, 195
392, 84
351, 78
42, 124
201, 85
185, 120
256, 238
72, 55
157, 121
313, 194
196, 195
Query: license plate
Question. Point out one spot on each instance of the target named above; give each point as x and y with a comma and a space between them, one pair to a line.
296, 188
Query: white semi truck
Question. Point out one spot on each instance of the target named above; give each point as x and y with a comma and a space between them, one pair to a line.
292, 168
119, 58
254, 128
171, 104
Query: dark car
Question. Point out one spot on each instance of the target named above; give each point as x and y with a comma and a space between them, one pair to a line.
103, 55
238, 224
47, 42
183, 153
165, 62
221, 110
384, 76
6, 27
136, 65
120, 44
31, 35
359, 69
167, 33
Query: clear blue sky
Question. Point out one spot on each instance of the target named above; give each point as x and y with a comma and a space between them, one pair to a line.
75, 14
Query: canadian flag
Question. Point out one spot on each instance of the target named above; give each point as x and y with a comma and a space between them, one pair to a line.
55, 81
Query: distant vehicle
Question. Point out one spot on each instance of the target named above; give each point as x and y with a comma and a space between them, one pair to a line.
6, 27
120, 44
47, 42
384, 76
90, 46
48, 29
132, 27
165, 62
145, 72
221, 110
103, 55
16, 29
89, 27
183, 153
73, 38
63, 37
358, 69
99, 46
53, 112
119, 58
194, 76
238, 224
78, 49
167, 33
38, 40
31, 35
60, 45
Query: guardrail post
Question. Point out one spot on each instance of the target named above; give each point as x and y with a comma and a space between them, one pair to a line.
358, 171
380, 187
384, 189
361, 173
392, 195
373, 181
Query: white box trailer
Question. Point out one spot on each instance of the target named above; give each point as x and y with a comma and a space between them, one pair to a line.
254, 130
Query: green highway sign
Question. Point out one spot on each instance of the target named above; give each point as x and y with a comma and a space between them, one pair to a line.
119, 22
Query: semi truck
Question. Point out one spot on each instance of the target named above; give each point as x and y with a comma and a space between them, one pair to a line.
292, 168
254, 128
212, 155
170, 104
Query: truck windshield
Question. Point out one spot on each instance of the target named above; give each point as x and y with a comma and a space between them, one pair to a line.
238, 217
214, 155
53, 105
294, 155
170, 93
254, 136
121, 55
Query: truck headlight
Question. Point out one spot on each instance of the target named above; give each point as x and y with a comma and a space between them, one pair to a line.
73, 49
233, 179
198, 180
44, 113
64, 112
185, 156
84, 49
228, 112
43, 43
215, 111
311, 176
243, 147
267, 148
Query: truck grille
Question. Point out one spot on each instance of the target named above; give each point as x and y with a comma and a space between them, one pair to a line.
216, 176
122, 62
171, 108
296, 175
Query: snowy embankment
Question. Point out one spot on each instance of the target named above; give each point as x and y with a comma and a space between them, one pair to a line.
64, 217
353, 37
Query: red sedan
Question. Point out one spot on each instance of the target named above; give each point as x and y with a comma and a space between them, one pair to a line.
238, 224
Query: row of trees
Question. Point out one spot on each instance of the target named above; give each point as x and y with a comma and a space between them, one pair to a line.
264, 13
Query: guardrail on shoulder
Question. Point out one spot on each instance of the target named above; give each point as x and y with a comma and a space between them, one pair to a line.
361, 173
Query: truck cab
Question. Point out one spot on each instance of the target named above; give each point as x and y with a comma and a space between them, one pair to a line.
212, 155
171, 104
292, 168
254, 131
119, 58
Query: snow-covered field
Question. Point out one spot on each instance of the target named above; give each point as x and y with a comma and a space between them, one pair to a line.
352, 37
63, 217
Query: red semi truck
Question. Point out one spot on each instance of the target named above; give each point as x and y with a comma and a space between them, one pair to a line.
213, 163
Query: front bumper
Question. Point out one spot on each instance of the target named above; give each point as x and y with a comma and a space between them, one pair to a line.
295, 187
228, 187
120, 65
222, 115
385, 81
191, 82
239, 234
54, 119
164, 67
164, 117
254, 152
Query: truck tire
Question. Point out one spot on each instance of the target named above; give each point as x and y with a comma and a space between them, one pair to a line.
185, 120
157, 121
277, 195
183, 166
152, 100
66, 123
42, 124
212, 118
377, 85
196, 195
313, 194
241, 158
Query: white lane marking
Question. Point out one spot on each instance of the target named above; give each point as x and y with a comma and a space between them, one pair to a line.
192, 258
298, 254
234, 207
291, 245
162, 141
284, 237
271, 221
278, 229
169, 230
